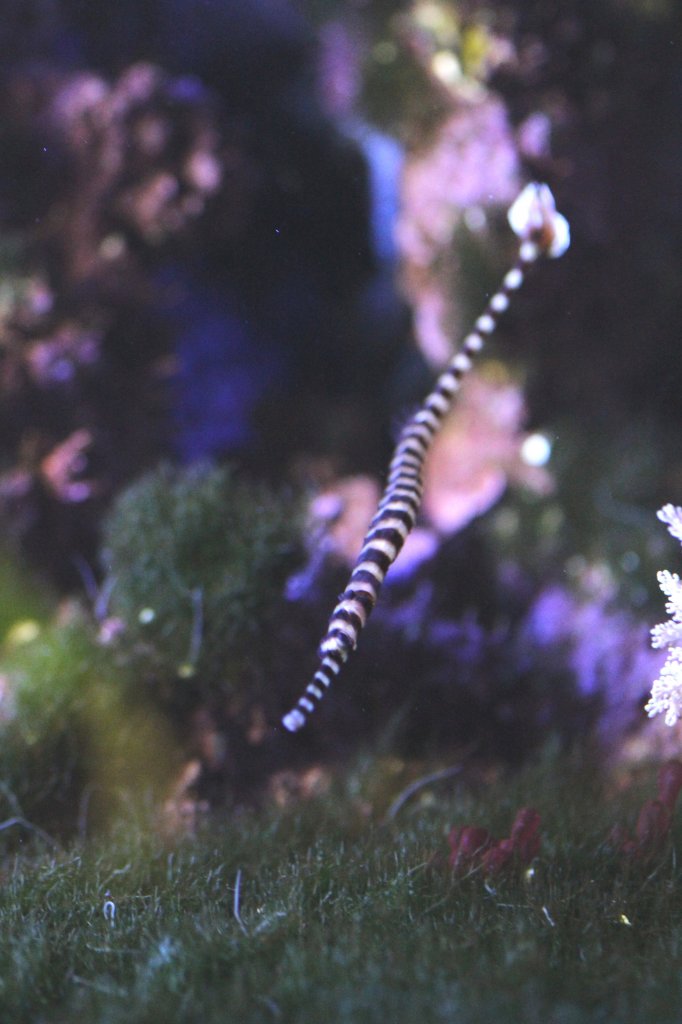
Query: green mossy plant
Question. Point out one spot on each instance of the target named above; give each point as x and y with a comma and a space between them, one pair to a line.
196, 562
89, 711
75, 739
24, 601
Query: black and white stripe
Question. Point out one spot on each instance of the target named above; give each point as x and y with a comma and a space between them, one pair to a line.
399, 504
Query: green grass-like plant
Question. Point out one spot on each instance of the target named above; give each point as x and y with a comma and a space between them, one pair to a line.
319, 912
196, 561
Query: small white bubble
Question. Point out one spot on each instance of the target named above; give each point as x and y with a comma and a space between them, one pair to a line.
536, 450
146, 616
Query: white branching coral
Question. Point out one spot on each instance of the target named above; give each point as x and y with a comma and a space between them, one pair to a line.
666, 692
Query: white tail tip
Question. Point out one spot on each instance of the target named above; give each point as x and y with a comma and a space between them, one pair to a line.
294, 720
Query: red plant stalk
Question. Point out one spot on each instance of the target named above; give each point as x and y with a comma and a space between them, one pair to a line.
655, 817
472, 846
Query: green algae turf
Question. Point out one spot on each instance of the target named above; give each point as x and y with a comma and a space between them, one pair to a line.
319, 912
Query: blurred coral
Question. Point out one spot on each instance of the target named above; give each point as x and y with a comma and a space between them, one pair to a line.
468, 169
341, 515
287, 787
471, 162
144, 156
131, 168
477, 452
130, 165
338, 518
63, 468
488, 656
601, 647
54, 360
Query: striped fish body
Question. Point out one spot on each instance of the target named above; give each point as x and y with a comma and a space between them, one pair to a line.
543, 232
